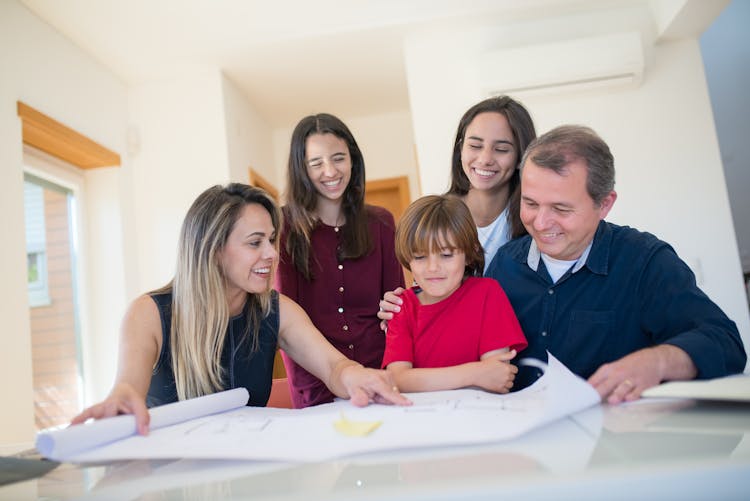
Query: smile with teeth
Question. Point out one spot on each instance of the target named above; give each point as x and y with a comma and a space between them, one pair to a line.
485, 173
549, 235
332, 184
262, 271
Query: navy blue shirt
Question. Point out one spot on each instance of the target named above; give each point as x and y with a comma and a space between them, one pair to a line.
243, 366
632, 292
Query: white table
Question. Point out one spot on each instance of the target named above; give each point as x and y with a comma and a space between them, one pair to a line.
652, 449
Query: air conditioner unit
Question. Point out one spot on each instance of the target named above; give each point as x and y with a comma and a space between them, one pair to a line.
585, 63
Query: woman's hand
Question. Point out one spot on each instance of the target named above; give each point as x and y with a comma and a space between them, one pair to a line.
370, 385
123, 399
390, 304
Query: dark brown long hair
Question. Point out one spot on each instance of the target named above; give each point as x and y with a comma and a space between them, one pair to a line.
302, 197
522, 126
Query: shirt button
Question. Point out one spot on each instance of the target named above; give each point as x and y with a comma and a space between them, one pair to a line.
544, 333
341, 289
341, 267
341, 310
351, 346
346, 327
550, 292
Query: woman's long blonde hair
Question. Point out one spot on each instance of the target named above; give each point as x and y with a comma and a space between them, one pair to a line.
200, 311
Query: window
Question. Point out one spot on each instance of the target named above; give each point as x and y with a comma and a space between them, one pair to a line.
35, 243
51, 259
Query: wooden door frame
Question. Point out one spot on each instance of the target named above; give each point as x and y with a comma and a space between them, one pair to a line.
259, 181
401, 184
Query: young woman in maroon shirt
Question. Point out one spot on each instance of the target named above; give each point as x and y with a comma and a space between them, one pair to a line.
337, 254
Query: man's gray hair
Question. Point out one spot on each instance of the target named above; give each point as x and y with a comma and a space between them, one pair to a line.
564, 145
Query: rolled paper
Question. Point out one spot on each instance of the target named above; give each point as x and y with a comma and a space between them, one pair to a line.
62, 443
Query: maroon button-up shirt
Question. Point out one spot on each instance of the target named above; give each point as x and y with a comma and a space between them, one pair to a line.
342, 300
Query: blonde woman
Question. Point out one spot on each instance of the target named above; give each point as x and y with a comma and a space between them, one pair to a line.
217, 324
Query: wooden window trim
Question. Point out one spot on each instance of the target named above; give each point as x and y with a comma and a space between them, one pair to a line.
58, 140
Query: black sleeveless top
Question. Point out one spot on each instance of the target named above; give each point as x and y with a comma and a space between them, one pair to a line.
243, 367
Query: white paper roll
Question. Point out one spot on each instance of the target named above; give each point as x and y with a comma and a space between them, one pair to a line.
59, 444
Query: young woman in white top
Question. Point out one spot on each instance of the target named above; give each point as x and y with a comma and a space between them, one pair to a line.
490, 141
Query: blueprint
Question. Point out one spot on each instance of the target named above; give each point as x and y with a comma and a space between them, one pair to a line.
444, 418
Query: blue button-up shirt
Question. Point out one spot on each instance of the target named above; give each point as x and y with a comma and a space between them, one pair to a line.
629, 293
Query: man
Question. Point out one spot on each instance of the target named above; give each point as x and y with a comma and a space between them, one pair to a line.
615, 305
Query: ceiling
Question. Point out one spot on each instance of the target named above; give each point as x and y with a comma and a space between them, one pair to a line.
290, 57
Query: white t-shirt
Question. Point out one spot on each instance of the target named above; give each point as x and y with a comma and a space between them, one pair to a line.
557, 267
493, 236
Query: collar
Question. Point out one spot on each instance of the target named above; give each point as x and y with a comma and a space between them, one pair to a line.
595, 257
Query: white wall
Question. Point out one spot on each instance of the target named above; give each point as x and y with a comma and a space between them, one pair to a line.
669, 174
443, 73
387, 144
386, 141
46, 71
106, 277
249, 137
181, 150
726, 54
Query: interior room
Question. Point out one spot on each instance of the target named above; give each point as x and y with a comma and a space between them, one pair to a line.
170, 97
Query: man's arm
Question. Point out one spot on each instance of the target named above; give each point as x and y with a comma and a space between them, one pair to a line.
626, 378
692, 337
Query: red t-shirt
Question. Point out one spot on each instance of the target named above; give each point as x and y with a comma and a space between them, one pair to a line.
475, 319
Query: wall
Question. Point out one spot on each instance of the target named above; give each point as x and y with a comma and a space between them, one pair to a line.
386, 141
726, 54
249, 138
387, 144
669, 180
109, 273
49, 73
179, 150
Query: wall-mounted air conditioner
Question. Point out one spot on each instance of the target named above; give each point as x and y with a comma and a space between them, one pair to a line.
579, 64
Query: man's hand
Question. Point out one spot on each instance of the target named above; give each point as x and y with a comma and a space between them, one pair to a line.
390, 304
625, 379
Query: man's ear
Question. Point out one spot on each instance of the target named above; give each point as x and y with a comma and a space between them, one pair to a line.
606, 204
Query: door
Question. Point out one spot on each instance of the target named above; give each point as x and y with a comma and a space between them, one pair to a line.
393, 194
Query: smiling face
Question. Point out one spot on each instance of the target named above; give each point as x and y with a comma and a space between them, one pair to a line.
439, 274
249, 255
488, 154
329, 165
558, 211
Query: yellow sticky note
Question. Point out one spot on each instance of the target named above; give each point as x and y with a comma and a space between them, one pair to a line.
355, 428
